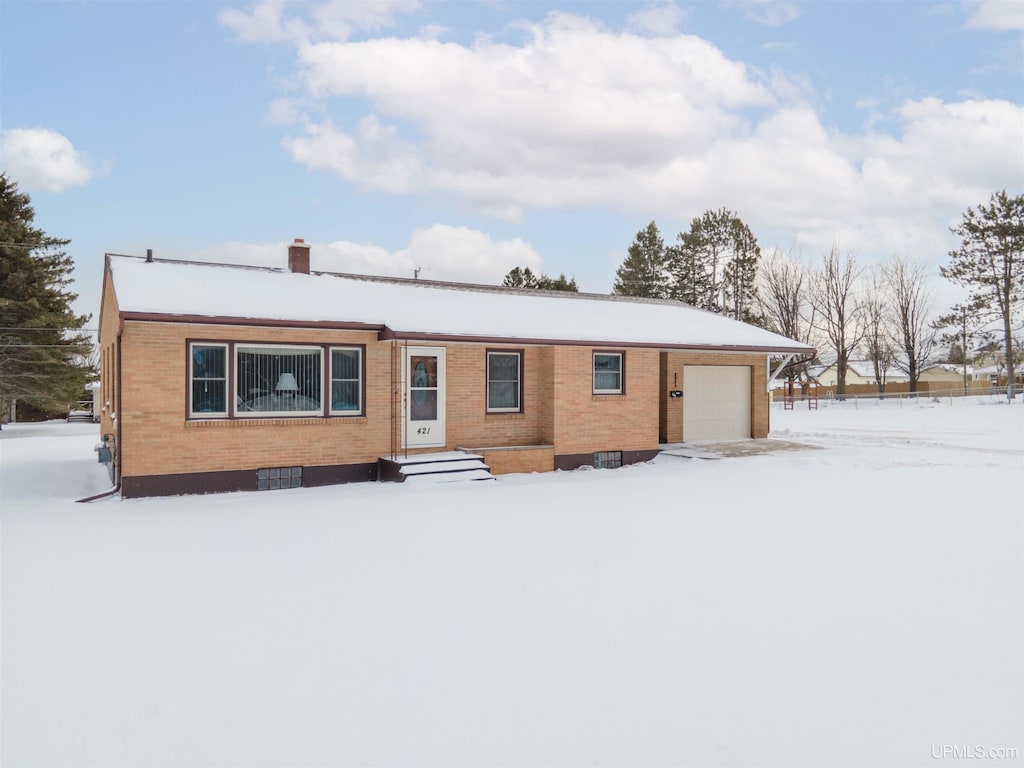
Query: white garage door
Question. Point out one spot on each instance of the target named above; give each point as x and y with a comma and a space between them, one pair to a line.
716, 402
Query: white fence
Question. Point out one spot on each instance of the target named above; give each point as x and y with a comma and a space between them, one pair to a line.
899, 399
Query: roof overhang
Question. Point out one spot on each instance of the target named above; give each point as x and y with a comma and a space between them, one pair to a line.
389, 334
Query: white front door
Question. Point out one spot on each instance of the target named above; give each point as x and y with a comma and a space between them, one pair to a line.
423, 377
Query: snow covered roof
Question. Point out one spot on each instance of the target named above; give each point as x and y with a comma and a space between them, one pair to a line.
416, 309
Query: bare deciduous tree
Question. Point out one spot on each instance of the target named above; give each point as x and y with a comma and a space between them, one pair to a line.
875, 305
913, 333
784, 303
838, 310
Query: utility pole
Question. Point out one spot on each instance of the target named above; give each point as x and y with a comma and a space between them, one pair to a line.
965, 348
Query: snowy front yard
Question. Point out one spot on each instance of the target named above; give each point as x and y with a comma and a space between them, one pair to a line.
855, 604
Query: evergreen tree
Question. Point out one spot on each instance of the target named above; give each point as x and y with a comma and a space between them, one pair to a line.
44, 356
990, 264
716, 263
524, 278
520, 277
740, 273
560, 283
690, 274
644, 271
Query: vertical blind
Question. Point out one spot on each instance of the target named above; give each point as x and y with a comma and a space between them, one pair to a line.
278, 379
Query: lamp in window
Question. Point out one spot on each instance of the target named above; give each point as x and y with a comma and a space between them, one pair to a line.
286, 389
286, 383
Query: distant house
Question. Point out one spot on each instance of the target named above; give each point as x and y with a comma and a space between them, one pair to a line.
860, 372
945, 373
220, 377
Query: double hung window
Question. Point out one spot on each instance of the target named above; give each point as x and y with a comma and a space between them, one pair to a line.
209, 374
608, 371
504, 382
346, 380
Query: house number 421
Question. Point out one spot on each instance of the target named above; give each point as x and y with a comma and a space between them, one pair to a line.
423, 431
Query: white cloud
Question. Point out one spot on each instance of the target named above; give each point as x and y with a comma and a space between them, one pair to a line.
770, 13
1000, 15
433, 31
535, 124
286, 112
264, 22
38, 158
270, 21
662, 18
663, 127
441, 252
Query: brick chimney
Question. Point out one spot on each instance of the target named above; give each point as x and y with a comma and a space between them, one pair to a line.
298, 256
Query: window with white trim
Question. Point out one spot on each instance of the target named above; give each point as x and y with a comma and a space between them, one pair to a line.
346, 380
607, 373
278, 380
504, 379
208, 370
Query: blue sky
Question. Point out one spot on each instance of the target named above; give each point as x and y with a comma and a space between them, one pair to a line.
466, 138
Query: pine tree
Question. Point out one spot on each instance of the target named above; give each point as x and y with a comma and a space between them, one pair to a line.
560, 283
519, 277
717, 265
990, 264
740, 274
644, 271
44, 356
689, 270
523, 277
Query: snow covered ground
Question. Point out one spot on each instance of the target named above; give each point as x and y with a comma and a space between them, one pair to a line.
860, 603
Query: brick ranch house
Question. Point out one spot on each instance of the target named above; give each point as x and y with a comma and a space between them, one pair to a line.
216, 377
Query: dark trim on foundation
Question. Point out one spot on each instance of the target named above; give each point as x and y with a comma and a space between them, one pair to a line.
228, 481
570, 461
338, 474
637, 457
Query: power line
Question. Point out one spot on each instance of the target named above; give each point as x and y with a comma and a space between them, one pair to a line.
43, 328
32, 245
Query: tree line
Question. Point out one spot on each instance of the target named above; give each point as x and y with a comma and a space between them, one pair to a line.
883, 313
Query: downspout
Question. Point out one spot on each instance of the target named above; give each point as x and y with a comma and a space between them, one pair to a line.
117, 425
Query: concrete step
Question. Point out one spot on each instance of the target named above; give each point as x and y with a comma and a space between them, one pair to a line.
450, 477
443, 467
435, 467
